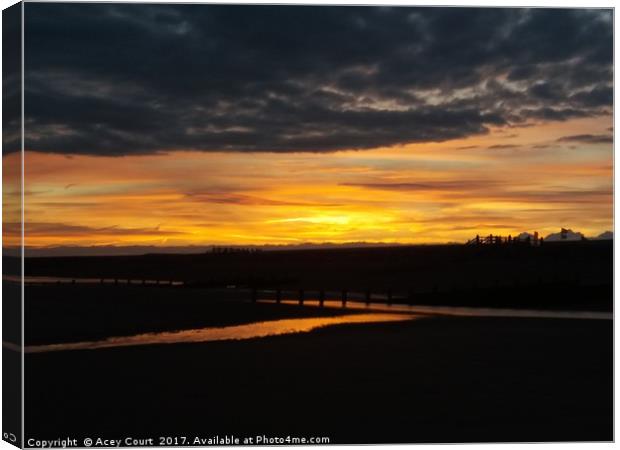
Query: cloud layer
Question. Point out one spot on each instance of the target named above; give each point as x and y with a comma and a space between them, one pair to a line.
119, 79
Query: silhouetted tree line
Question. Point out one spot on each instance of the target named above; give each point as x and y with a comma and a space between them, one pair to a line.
533, 240
227, 250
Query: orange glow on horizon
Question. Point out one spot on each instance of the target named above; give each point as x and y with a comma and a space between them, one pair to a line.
505, 182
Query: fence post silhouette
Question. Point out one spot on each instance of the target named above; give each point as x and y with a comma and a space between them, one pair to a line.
368, 296
278, 295
301, 296
344, 298
321, 298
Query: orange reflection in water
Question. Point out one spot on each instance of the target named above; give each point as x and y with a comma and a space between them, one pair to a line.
236, 332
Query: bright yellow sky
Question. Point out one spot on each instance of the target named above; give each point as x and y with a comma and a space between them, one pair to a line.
420, 193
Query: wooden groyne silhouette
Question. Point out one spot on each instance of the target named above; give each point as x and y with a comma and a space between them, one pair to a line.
103, 281
518, 293
528, 292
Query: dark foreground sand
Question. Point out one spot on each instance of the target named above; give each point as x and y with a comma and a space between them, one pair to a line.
432, 380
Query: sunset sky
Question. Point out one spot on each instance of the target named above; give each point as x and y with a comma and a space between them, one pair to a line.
195, 125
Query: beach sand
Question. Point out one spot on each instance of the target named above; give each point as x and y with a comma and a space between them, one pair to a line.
436, 379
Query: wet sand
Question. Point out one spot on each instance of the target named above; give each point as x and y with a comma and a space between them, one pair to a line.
74, 313
437, 379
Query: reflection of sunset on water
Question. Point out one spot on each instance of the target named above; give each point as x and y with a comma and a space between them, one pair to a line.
236, 332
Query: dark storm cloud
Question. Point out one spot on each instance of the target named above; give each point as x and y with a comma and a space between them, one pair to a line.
116, 79
11, 79
502, 146
493, 190
63, 229
588, 139
429, 185
243, 199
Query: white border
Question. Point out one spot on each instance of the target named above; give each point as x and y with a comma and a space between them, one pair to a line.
479, 3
